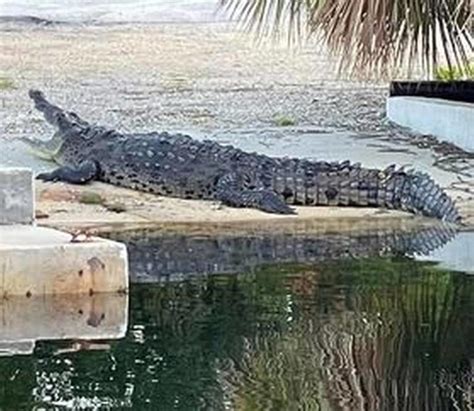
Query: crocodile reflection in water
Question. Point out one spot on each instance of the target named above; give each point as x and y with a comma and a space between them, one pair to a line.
154, 256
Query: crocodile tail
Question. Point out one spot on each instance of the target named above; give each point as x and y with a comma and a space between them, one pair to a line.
349, 184
417, 192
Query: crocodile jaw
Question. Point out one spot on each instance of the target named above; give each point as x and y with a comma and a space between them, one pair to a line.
46, 150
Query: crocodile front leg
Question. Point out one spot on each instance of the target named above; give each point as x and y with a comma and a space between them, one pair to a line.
230, 193
82, 174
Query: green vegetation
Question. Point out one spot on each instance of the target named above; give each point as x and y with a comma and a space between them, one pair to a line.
446, 73
370, 37
89, 197
284, 121
6, 83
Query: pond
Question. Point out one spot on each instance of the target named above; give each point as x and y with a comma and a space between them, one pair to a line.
275, 322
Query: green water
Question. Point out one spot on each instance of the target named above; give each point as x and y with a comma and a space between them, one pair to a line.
375, 334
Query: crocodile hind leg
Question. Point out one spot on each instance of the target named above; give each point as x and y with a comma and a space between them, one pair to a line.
230, 193
81, 174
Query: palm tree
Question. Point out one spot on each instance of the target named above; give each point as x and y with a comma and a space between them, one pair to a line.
376, 37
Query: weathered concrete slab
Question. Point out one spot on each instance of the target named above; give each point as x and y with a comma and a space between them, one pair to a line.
37, 261
451, 121
72, 317
16, 196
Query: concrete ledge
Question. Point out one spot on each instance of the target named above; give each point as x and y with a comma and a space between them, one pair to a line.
37, 261
16, 196
457, 254
71, 317
450, 121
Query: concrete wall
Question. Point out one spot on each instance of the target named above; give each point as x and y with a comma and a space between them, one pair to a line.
37, 261
450, 121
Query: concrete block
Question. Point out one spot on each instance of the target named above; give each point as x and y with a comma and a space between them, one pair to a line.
65, 317
451, 121
16, 196
37, 261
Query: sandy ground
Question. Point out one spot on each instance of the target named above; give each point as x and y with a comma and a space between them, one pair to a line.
210, 81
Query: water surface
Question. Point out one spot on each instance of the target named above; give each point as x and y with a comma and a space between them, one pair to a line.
113, 11
371, 329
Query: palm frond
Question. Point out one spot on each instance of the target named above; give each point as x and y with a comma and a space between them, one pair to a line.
373, 37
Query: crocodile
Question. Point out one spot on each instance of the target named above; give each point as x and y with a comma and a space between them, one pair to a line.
177, 165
